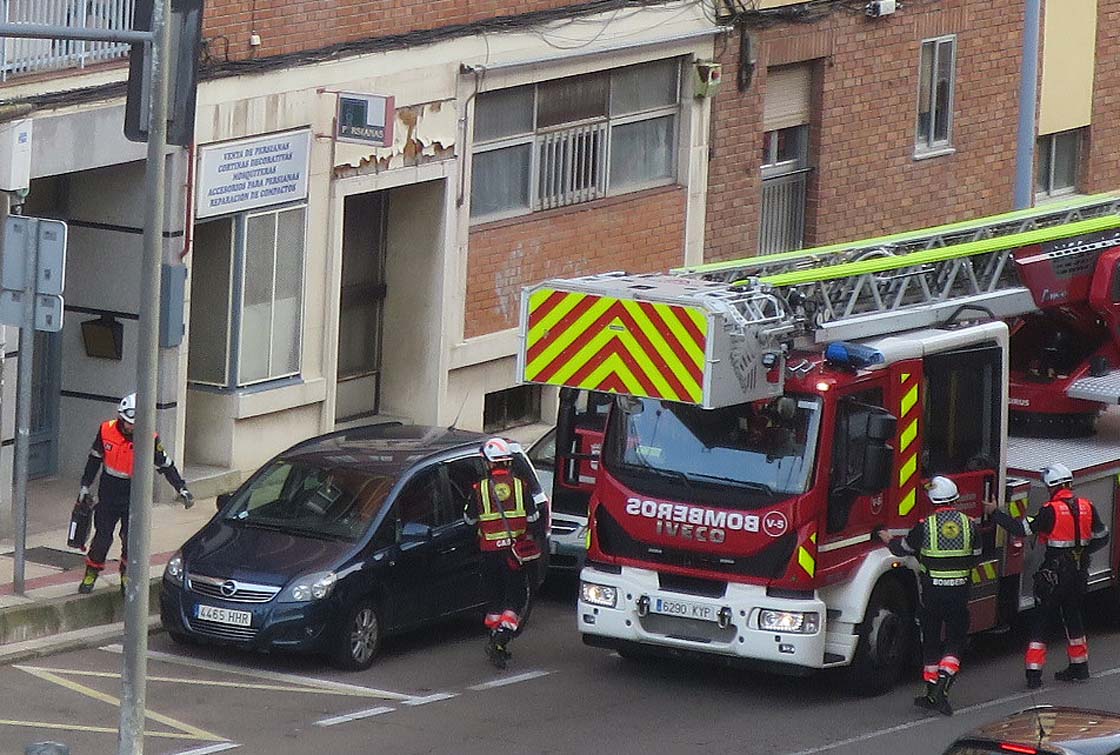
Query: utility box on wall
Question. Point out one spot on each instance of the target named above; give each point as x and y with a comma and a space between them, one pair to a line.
173, 284
708, 77
15, 155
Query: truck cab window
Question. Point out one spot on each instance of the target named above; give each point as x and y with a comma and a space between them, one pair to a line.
962, 387
849, 443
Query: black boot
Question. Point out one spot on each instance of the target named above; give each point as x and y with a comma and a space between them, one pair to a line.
1034, 678
497, 649
941, 693
926, 700
1074, 672
90, 577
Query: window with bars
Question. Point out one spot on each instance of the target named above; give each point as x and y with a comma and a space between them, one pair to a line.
937, 80
1056, 163
574, 139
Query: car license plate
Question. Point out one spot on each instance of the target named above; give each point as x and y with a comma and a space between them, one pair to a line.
684, 608
223, 616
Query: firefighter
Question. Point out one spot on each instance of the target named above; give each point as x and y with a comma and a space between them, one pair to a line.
112, 453
498, 508
1071, 529
947, 545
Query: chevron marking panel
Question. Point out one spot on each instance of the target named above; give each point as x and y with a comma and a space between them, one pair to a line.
603, 343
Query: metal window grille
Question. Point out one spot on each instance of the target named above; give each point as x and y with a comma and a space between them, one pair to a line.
783, 212
571, 165
24, 56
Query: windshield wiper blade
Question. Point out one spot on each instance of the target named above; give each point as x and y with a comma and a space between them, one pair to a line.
749, 484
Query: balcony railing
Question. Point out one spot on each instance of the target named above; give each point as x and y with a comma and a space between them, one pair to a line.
24, 56
783, 212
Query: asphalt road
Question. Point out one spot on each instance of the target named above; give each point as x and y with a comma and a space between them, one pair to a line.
434, 692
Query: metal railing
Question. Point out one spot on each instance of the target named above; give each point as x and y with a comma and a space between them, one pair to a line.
572, 165
25, 56
783, 212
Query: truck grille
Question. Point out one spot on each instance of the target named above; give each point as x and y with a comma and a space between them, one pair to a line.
223, 631
680, 628
231, 590
564, 526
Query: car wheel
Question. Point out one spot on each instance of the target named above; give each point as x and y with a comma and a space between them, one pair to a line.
885, 638
359, 639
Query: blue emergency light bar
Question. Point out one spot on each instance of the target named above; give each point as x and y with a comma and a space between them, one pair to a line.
852, 355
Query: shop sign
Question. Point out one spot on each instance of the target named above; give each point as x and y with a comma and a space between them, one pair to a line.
251, 173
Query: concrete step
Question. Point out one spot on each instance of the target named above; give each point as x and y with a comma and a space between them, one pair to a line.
208, 482
44, 618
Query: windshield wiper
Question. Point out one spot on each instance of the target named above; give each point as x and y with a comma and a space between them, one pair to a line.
749, 484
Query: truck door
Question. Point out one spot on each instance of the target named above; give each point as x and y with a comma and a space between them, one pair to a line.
851, 514
580, 424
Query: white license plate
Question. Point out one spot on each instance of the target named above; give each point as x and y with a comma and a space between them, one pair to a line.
687, 609
224, 616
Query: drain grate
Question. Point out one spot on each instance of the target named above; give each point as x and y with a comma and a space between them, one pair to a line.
60, 559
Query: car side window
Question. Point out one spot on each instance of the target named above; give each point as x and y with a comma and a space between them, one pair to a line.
417, 503
462, 475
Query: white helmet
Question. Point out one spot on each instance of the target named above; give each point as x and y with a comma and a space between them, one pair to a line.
942, 491
126, 409
1057, 476
496, 450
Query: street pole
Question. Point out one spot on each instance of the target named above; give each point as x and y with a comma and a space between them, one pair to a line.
133, 673
1028, 102
24, 379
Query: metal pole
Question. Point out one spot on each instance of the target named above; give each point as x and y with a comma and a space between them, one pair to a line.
23, 404
51, 31
1028, 102
133, 673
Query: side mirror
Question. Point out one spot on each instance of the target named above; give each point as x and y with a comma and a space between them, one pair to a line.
877, 463
629, 404
222, 500
881, 427
415, 532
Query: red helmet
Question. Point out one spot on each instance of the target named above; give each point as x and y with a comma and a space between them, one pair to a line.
497, 450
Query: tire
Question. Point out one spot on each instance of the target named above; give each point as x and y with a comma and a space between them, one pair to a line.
886, 636
359, 638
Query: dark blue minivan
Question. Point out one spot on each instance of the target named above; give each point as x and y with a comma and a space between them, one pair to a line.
337, 542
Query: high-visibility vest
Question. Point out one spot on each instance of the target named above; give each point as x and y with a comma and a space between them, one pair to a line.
947, 553
499, 527
1069, 532
118, 448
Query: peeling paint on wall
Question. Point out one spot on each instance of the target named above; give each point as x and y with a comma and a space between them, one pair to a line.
422, 133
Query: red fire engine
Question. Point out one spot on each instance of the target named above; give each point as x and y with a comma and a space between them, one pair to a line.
771, 413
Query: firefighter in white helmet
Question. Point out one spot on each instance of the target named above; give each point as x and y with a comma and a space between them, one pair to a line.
1071, 529
504, 511
112, 454
947, 545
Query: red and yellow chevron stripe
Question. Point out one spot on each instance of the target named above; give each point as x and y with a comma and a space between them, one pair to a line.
603, 343
908, 411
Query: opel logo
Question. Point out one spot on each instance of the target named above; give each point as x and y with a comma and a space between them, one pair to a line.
228, 588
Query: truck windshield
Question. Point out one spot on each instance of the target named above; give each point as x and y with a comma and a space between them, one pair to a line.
759, 450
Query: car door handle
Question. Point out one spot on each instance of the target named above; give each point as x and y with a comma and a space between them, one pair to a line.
448, 549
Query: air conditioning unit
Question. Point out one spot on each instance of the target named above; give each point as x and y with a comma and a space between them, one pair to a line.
879, 8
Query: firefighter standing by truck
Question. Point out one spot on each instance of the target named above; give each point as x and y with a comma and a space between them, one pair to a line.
1071, 529
947, 545
498, 507
112, 453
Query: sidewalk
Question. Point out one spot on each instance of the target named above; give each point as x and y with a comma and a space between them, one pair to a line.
50, 604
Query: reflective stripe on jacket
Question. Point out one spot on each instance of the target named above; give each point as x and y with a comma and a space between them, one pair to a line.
119, 453
950, 546
1068, 531
499, 524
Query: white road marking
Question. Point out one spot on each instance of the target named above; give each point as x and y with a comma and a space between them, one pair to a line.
209, 749
919, 722
510, 680
435, 698
357, 715
273, 676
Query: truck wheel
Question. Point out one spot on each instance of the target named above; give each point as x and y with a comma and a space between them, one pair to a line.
885, 638
359, 638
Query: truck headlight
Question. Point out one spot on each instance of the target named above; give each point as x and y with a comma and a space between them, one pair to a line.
598, 595
173, 572
309, 587
790, 622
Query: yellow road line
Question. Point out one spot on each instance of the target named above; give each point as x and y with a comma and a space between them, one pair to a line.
200, 682
92, 729
195, 732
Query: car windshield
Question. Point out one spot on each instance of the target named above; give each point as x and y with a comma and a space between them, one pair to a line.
765, 447
304, 498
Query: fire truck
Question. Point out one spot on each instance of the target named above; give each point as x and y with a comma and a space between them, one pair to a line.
771, 414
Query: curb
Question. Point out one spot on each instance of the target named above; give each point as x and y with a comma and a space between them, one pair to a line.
23, 624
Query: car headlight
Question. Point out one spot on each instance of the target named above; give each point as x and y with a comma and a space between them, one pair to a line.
315, 586
598, 595
791, 622
173, 570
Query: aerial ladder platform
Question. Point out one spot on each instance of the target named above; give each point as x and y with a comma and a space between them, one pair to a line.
718, 334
